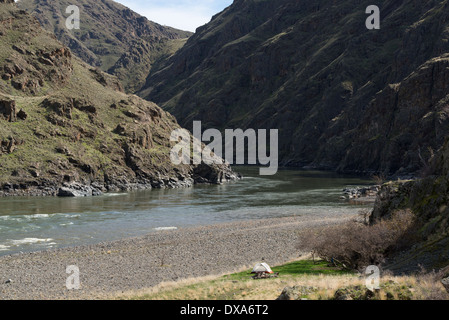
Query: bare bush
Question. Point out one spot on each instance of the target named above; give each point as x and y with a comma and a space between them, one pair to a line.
355, 245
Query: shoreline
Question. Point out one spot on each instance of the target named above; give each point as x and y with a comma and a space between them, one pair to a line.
111, 268
80, 190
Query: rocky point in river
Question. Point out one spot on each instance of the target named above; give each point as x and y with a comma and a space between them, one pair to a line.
67, 128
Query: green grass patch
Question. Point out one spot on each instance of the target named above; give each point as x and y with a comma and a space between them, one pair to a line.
239, 285
297, 268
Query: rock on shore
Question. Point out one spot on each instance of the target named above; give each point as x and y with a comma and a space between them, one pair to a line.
359, 192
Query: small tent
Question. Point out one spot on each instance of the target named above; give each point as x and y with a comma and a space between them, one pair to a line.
262, 268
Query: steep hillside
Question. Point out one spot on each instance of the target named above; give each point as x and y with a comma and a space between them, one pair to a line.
69, 128
428, 199
111, 36
343, 97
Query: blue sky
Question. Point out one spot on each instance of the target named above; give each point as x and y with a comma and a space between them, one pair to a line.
181, 14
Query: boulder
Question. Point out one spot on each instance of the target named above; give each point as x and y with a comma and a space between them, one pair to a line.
78, 190
22, 115
214, 174
354, 293
9, 145
68, 192
296, 292
289, 293
8, 109
61, 106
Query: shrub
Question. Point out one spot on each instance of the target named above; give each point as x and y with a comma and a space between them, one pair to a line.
355, 245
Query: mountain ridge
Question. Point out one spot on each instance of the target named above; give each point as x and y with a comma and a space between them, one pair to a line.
111, 36
313, 71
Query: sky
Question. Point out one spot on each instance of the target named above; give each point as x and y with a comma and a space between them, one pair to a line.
182, 14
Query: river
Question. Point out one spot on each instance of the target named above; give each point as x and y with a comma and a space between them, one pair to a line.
36, 223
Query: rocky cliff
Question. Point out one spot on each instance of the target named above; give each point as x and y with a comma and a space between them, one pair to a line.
67, 128
111, 36
428, 199
343, 97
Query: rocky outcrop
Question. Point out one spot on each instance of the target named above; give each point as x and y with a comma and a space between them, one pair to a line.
215, 174
359, 192
404, 124
343, 97
296, 292
78, 190
8, 145
427, 197
29, 67
390, 290
8, 109
76, 133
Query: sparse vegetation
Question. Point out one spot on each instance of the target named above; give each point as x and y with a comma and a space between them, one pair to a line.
356, 245
313, 281
238, 285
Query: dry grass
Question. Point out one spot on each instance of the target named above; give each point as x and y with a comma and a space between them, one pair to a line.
166, 287
209, 288
216, 288
424, 286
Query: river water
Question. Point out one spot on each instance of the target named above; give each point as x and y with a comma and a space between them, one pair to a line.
31, 224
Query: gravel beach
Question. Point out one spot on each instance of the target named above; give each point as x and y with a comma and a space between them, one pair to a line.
107, 269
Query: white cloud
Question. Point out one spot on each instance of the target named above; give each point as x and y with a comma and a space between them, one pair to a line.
181, 14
